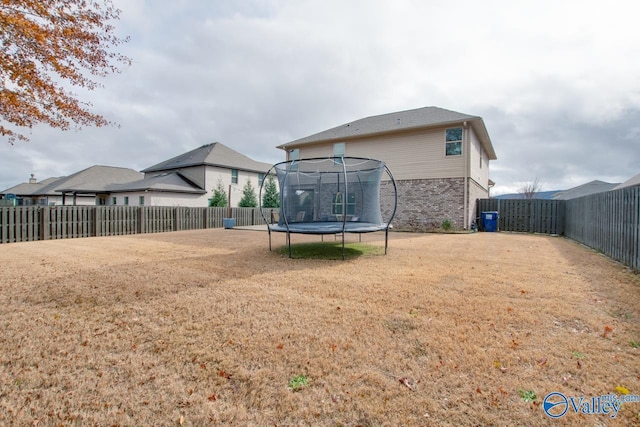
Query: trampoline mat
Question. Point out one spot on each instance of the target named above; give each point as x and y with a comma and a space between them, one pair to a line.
328, 227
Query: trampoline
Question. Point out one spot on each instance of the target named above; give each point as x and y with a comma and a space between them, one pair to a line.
335, 195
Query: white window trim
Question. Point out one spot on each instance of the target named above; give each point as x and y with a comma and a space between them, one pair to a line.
452, 142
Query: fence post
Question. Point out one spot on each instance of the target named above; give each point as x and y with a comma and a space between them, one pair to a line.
44, 223
175, 219
205, 218
96, 221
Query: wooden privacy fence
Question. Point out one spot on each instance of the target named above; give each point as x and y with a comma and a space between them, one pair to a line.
29, 223
529, 216
608, 222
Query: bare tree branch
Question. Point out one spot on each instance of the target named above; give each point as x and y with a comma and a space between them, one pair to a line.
530, 189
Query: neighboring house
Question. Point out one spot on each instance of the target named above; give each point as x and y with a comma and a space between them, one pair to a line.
86, 187
190, 178
633, 181
185, 180
439, 159
538, 195
33, 192
592, 187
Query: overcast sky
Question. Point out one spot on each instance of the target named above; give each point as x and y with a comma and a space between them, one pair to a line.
556, 82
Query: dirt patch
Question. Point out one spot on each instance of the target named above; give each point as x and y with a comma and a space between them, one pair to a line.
206, 327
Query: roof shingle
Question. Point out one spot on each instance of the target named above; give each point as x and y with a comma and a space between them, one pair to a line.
215, 154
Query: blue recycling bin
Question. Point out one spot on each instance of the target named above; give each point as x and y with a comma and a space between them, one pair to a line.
490, 221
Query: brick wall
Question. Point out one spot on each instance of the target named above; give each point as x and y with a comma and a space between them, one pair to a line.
423, 204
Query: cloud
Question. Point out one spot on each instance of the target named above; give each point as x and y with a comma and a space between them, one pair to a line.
556, 82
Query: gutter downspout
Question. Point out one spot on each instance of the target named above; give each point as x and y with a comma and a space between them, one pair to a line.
466, 157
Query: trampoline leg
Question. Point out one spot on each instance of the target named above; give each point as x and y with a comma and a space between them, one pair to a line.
386, 239
269, 239
343, 245
289, 243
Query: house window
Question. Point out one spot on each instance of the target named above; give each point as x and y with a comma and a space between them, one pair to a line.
336, 205
338, 152
234, 176
126, 200
260, 179
453, 141
141, 200
294, 154
114, 200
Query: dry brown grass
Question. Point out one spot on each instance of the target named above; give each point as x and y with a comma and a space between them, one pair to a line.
208, 327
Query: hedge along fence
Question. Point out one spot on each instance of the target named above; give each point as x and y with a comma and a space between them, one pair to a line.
30, 223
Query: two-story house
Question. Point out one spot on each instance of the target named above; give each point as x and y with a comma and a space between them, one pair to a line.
439, 159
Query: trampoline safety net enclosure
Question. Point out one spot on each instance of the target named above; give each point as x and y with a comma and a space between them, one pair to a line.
335, 195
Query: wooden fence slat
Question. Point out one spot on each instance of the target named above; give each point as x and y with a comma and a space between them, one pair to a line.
4, 226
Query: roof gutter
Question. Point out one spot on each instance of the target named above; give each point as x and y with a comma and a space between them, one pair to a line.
466, 157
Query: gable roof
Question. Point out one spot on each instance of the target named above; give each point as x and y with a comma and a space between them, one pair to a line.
93, 179
173, 182
29, 189
634, 180
420, 118
90, 180
592, 187
214, 154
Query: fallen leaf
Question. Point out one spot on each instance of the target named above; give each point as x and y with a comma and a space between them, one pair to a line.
622, 390
212, 398
410, 383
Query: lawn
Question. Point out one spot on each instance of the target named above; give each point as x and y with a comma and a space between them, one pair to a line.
208, 327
